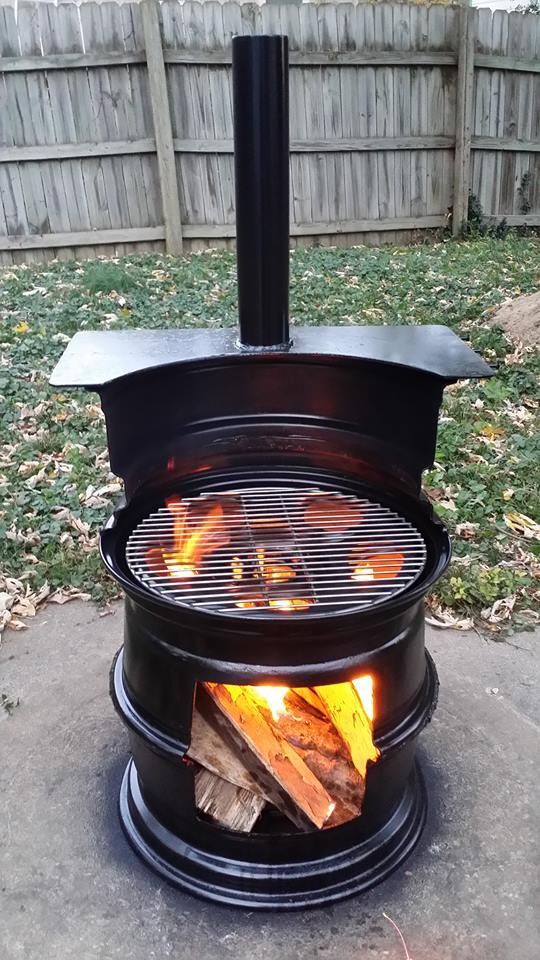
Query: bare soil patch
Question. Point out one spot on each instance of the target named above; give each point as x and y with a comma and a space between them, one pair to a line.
520, 319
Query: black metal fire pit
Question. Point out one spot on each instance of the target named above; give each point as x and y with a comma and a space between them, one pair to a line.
273, 533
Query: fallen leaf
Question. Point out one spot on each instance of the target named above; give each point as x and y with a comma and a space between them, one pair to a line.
501, 610
522, 525
492, 433
66, 594
467, 530
445, 619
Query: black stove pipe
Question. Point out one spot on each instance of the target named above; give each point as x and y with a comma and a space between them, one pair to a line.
261, 160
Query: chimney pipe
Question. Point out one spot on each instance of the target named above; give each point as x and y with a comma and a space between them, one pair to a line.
261, 161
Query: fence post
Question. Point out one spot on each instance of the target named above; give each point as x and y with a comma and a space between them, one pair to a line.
162, 126
464, 106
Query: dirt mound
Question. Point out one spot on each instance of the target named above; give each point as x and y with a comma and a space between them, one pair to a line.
520, 319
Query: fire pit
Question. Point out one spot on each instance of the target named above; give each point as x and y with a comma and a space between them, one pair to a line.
275, 548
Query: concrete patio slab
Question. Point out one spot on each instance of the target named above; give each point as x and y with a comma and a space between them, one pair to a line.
70, 887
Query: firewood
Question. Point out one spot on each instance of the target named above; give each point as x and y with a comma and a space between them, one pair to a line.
309, 695
306, 799
346, 712
309, 731
306, 728
231, 806
213, 751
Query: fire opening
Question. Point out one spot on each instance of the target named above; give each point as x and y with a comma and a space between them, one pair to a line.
301, 752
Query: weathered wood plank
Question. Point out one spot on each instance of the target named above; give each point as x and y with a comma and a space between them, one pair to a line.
498, 62
230, 806
82, 238
436, 84
402, 112
113, 148
313, 92
162, 127
465, 84
67, 61
22, 241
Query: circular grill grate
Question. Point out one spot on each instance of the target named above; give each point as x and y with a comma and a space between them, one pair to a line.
274, 550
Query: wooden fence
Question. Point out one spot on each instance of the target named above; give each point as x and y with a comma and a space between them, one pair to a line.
116, 122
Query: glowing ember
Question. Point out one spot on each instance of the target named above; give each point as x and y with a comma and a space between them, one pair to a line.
237, 568
268, 524
178, 568
286, 604
332, 514
364, 689
274, 698
274, 572
190, 545
380, 566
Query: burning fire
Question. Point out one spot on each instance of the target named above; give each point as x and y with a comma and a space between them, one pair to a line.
237, 568
274, 698
379, 566
267, 568
286, 604
190, 545
364, 689
274, 572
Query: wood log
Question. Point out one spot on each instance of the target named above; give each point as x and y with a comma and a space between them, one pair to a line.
346, 712
246, 768
310, 732
306, 728
215, 752
309, 695
301, 795
231, 806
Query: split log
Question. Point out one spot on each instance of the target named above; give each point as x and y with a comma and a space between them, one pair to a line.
309, 731
232, 806
301, 796
213, 751
346, 712
309, 695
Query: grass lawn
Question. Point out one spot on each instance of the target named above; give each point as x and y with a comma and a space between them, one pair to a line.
56, 489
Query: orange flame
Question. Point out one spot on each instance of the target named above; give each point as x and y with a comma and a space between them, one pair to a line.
274, 698
379, 566
190, 547
364, 689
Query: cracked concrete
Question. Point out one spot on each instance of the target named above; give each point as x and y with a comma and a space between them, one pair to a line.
71, 887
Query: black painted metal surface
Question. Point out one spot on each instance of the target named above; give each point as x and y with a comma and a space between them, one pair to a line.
94, 358
361, 853
170, 648
261, 161
338, 398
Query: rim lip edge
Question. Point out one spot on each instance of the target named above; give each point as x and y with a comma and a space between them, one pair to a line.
435, 535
